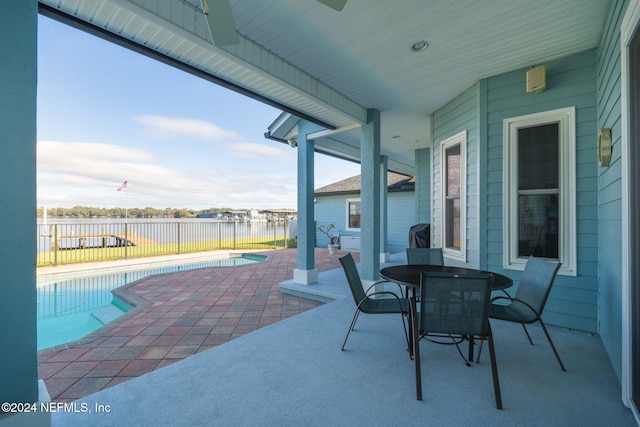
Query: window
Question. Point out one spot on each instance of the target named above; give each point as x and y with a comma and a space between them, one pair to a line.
453, 161
353, 214
539, 189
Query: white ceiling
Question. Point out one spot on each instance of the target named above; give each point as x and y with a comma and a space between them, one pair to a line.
333, 66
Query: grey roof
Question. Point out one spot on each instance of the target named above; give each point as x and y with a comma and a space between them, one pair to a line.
395, 182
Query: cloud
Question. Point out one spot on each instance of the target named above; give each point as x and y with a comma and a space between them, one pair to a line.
88, 174
249, 150
102, 162
171, 127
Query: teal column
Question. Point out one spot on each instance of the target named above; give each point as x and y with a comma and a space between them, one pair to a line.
483, 175
305, 271
423, 190
384, 217
370, 197
18, 86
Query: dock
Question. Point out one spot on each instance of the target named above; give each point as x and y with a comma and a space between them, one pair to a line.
106, 240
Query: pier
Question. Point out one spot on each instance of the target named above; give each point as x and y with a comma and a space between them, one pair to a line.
107, 240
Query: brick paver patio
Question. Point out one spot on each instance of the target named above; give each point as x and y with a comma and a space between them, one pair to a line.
178, 315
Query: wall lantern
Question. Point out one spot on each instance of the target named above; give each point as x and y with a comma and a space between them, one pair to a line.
604, 147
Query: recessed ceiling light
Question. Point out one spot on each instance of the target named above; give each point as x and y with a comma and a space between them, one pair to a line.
420, 46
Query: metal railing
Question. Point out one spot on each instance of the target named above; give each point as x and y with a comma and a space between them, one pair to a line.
80, 241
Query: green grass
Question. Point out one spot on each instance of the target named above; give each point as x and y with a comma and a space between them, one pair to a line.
71, 256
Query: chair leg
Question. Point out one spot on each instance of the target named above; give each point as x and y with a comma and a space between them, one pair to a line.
416, 347
479, 351
406, 334
553, 347
494, 371
527, 332
464, 359
351, 326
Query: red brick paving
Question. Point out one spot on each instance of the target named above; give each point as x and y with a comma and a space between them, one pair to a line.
178, 315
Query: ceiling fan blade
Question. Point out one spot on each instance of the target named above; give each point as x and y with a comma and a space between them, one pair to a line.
334, 4
222, 25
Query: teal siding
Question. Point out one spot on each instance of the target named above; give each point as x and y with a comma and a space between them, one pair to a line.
401, 216
609, 189
332, 210
480, 110
400, 219
571, 81
459, 115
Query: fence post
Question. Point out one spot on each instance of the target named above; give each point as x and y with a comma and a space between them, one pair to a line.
126, 241
178, 224
235, 229
275, 232
55, 244
286, 241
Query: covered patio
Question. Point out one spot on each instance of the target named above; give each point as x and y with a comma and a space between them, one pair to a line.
293, 373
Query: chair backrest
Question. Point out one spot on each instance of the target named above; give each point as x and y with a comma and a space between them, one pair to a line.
536, 281
454, 303
425, 256
353, 277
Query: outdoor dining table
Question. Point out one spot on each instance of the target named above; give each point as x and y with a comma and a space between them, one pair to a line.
409, 276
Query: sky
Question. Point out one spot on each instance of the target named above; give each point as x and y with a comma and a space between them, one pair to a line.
107, 114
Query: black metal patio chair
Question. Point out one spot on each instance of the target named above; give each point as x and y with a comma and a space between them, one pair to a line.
527, 305
390, 303
422, 256
461, 318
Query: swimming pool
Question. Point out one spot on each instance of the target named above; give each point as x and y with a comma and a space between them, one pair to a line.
72, 308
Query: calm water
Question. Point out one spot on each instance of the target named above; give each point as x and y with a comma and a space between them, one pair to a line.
70, 309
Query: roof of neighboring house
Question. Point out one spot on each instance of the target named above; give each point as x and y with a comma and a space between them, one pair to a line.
395, 182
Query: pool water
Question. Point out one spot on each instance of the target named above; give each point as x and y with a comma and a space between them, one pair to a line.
72, 308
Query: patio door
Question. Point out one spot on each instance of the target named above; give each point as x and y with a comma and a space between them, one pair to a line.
634, 206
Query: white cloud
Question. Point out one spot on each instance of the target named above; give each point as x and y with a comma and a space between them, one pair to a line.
171, 127
88, 174
249, 150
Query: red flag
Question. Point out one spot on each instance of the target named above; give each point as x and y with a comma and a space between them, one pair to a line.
123, 186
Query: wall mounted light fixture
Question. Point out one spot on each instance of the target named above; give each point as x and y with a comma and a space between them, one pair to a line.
604, 147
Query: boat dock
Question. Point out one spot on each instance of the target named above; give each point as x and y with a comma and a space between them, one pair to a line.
107, 240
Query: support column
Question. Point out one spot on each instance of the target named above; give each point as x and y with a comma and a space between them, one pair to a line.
305, 271
370, 198
18, 86
384, 217
423, 190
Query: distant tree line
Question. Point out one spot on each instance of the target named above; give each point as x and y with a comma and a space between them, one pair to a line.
91, 212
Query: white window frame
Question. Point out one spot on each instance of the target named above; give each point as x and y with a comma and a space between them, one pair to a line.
565, 117
346, 222
457, 139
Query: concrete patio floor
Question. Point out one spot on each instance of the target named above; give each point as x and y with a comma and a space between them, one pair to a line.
292, 372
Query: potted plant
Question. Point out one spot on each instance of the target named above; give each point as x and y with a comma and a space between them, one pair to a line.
334, 238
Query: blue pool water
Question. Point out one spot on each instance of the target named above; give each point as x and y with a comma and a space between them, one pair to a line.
70, 309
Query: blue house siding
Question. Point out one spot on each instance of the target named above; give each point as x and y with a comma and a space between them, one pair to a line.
571, 81
400, 219
459, 115
332, 210
400, 206
609, 220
